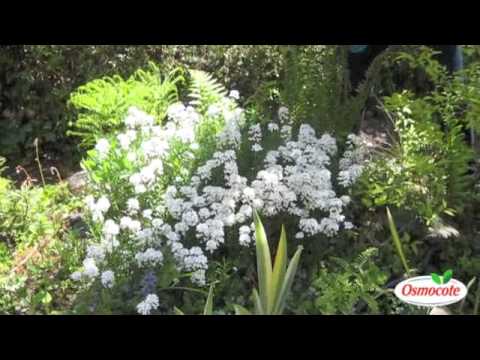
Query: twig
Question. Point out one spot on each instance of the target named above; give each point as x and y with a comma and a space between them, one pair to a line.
37, 159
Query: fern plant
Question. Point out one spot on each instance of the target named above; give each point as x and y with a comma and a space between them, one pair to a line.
340, 290
205, 90
102, 104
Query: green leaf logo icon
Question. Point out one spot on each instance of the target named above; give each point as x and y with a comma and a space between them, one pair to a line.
447, 276
437, 279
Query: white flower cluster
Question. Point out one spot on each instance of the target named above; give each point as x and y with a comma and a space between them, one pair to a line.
102, 147
150, 257
296, 180
255, 136
108, 279
98, 208
138, 228
353, 161
150, 303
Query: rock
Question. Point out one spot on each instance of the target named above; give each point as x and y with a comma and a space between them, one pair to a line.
78, 181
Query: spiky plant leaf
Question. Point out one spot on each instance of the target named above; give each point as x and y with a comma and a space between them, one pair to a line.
208, 310
287, 283
280, 266
396, 240
264, 265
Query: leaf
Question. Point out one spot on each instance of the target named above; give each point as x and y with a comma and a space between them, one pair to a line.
259, 309
280, 266
396, 240
264, 265
47, 298
437, 279
447, 276
240, 310
177, 311
209, 304
287, 283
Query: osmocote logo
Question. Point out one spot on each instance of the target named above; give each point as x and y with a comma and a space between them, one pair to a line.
432, 291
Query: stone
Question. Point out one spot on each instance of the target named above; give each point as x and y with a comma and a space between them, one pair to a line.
78, 181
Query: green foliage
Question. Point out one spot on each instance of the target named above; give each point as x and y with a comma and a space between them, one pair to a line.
316, 89
102, 104
426, 169
205, 90
208, 309
274, 283
36, 253
340, 289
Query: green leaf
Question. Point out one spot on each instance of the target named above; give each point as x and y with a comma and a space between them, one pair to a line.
209, 304
280, 266
264, 265
396, 240
437, 279
287, 283
47, 298
240, 310
177, 311
259, 309
447, 276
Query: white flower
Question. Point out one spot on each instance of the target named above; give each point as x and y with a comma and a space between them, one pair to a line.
133, 205
110, 229
96, 252
283, 114
90, 269
190, 218
76, 276
272, 127
147, 214
137, 118
108, 279
198, 277
127, 223
103, 204
348, 225
150, 303
234, 94
102, 147
124, 141
151, 257
257, 148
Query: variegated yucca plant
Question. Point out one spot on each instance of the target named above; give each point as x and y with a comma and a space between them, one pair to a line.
274, 282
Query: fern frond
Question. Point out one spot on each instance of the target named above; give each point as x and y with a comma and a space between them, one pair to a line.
102, 104
205, 90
